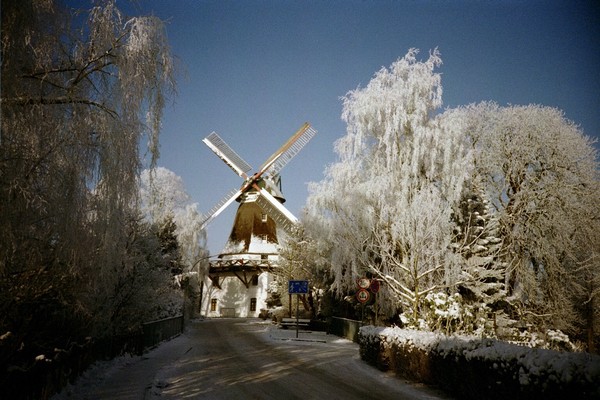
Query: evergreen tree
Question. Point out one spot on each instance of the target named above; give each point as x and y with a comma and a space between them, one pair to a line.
478, 243
169, 246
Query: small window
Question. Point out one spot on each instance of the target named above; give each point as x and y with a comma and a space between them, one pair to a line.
265, 238
265, 218
255, 280
213, 304
253, 304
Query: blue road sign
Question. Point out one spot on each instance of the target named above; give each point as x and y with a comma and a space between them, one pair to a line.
297, 287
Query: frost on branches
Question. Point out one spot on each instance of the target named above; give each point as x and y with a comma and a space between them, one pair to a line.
541, 174
164, 198
80, 89
167, 206
491, 209
389, 198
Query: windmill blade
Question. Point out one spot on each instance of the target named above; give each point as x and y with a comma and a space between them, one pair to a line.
283, 218
226, 153
281, 157
220, 206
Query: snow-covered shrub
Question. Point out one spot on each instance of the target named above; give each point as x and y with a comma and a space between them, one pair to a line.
449, 314
279, 313
549, 339
403, 351
473, 368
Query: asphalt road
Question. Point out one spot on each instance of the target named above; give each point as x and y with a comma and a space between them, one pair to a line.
239, 359
245, 359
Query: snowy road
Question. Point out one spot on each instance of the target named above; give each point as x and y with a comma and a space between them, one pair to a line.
244, 359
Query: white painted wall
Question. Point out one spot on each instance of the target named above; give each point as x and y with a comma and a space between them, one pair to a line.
233, 299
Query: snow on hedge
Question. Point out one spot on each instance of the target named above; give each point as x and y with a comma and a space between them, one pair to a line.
530, 366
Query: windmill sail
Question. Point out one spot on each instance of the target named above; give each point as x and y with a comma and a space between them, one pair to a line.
272, 166
283, 218
286, 152
227, 154
220, 206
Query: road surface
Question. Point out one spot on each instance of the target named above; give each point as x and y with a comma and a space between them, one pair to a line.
248, 359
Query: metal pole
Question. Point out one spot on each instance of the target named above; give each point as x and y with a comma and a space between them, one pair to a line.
376, 309
297, 301
201, 293
362, 317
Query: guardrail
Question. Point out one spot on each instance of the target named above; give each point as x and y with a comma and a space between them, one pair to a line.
44, 377
157, 331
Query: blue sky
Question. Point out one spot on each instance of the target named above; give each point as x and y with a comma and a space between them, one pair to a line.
255, 71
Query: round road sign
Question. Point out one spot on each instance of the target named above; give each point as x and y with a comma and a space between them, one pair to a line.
363, 282
363, 295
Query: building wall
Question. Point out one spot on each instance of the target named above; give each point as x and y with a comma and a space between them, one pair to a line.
234, 299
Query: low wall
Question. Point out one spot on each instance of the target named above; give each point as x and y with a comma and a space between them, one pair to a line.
344, 327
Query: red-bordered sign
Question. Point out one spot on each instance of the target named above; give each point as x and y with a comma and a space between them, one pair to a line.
374, 286
363, 282
363, 295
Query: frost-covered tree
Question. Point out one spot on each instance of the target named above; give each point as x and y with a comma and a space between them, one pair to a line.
541, 173
169, 245
167, 205
386, 204
301, 257
164, 198
478, 243
144, 290
79, 91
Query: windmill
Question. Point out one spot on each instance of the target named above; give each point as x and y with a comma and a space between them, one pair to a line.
252, 245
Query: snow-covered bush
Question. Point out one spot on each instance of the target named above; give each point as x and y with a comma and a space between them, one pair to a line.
451, 314
549, 339
474, 368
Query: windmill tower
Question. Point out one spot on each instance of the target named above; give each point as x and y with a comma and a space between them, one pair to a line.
238, 280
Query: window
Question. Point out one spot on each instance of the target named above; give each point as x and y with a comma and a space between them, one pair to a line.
265, 218
253, 304
255, 280
213, 304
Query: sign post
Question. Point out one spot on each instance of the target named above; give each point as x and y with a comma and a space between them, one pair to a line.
375, 289
363, 295
297, 287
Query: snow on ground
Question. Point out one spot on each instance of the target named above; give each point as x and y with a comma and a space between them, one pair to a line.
91, 382
97, 374
102, 378
141, 375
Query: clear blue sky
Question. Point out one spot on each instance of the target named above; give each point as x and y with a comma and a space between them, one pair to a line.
254, 71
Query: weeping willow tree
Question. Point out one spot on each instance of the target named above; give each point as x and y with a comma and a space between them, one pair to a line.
386, 204
80, 89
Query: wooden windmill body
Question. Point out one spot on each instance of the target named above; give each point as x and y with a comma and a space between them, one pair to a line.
239, 278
